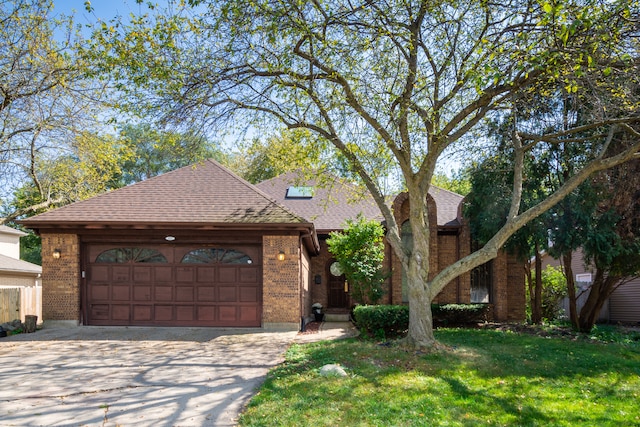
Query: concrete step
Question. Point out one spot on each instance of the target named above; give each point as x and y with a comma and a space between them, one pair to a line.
336, 317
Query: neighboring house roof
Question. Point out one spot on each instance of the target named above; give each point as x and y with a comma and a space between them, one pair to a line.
12, 265
205, 193
8, 230
333, 203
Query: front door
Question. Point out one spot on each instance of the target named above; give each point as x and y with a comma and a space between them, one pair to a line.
338, 292
337, 295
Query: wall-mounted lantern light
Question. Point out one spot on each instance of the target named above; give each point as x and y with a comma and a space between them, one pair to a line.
317, 279
281, 256
56, 254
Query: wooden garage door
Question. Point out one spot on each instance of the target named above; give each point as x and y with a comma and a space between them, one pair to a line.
140, 286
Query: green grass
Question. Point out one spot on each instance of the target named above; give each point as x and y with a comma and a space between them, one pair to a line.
487, 377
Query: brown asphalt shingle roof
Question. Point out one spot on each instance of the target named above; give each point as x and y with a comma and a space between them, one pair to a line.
331, 205
203, 193
447, 203
334, 203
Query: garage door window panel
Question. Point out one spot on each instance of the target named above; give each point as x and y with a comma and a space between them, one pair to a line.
216, 256
131, 255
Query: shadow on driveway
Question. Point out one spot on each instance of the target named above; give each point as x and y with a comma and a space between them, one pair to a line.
134, 376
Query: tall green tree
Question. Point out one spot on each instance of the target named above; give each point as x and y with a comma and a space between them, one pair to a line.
155, 151
45, 97
459, 182
487, 207
91, 165
400, 81
285, 152
611, 242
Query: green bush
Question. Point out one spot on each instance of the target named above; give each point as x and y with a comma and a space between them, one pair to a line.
359, 250
382, 321
390, 321
459, 314
554, 289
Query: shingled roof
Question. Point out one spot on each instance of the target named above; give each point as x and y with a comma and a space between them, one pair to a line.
205, 193
336, 201
17, 266
11, 231
333, 201
447, 203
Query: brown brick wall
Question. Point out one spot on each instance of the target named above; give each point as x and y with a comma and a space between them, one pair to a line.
320, 266
281, 302
448, 254
508, 280
464, 239
307, 281
500, 289
515, 283
61, 277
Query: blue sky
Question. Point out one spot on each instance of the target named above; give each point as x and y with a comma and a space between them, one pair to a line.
103, 9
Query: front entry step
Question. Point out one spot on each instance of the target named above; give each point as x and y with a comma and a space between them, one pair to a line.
336, 317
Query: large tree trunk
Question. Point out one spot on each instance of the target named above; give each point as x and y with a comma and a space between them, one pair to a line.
420, 317
601, 289
421, 291
571, 289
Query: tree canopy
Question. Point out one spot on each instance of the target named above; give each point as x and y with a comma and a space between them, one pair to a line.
394, 85
46, 100
152, 151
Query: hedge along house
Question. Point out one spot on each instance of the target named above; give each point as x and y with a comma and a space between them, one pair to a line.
499, 283
194, 247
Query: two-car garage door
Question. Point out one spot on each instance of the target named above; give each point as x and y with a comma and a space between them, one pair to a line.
173, 286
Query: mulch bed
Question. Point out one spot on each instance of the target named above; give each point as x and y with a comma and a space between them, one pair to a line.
311, 328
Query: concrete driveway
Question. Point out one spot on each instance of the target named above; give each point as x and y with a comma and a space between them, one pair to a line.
118, 376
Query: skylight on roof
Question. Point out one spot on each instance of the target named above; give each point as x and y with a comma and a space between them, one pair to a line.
300, 192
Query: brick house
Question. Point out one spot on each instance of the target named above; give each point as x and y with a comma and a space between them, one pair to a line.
499, 282
199, 246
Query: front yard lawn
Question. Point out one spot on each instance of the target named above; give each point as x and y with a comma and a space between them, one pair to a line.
487, 377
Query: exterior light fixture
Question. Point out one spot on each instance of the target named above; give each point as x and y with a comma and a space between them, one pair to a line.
170, 238
281, 256
56, 253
